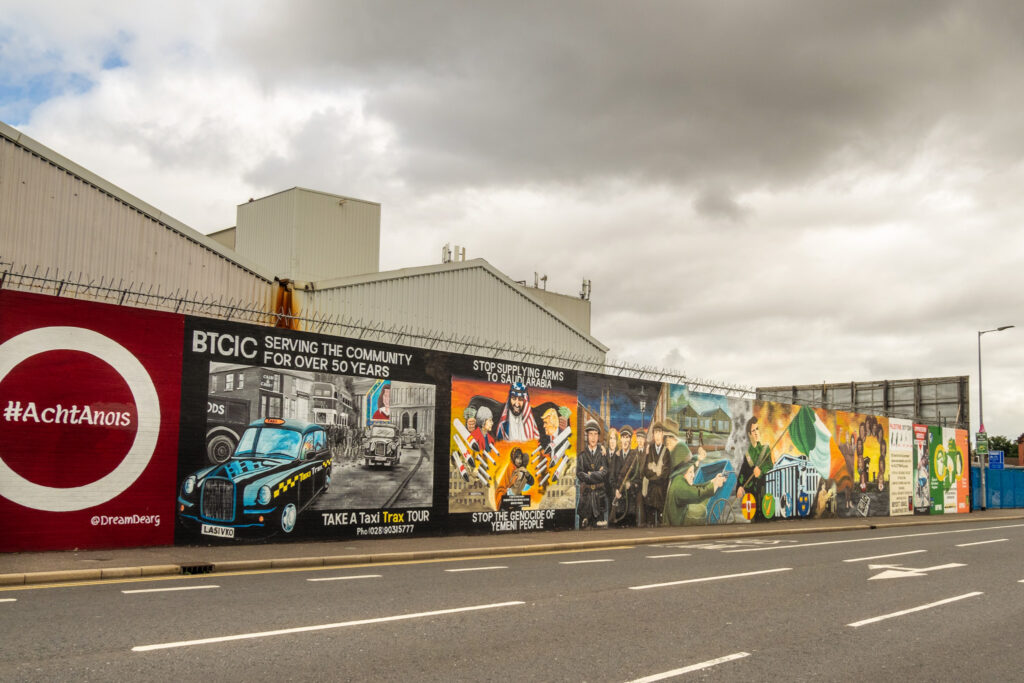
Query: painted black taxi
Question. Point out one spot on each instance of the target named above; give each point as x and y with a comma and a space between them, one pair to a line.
278, 468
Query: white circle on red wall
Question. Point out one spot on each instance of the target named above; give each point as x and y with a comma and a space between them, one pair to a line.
17, 349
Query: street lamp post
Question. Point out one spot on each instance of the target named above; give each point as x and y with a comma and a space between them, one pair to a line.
981, 413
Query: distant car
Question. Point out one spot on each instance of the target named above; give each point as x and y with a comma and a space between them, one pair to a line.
382, 446
410, 438
278, 468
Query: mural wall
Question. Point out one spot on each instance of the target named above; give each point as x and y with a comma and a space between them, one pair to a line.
127, 427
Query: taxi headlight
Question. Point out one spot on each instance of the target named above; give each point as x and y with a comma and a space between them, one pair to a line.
190, 485
263, 495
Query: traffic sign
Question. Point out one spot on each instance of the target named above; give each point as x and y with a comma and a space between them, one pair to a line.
995, 460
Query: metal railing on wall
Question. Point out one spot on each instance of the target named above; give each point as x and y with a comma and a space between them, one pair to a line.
52, 282
798, 395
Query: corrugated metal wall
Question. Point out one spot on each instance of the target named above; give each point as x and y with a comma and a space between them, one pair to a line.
468, 302
65, 220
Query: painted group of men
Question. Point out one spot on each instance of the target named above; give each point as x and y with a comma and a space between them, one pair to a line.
649, 484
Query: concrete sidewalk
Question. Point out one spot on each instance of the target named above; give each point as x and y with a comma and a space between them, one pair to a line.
90, 565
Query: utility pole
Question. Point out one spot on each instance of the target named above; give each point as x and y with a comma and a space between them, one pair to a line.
982, 435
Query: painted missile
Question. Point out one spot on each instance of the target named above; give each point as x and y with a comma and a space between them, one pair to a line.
461, 430
466, 453
457, 461
483, 477
561, 468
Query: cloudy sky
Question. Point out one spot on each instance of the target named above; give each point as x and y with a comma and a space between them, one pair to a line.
760, 192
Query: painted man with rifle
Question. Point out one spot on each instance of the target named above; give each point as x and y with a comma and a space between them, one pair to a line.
756, 462
625, 479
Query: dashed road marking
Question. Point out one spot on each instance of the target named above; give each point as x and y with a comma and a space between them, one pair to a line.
709, 578
693, 667
319, 627
173, 588
872, 620
879, 557
476, 569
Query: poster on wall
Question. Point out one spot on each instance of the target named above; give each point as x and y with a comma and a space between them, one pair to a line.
922, 470
959, 458
304, 436
901, 467
949, 469
512, 447
948, 487
88, 437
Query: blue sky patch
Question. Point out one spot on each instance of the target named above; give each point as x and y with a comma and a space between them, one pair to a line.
18, 100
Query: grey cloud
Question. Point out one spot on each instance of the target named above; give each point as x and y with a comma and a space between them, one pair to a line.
762, 94
718, 203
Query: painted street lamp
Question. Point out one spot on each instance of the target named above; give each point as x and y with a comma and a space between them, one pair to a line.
981, 412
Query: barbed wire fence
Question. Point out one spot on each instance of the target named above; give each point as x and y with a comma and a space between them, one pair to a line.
187, 302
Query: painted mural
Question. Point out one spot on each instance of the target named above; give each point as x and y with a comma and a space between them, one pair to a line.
196, 431
304, 436
512, 462
622, 410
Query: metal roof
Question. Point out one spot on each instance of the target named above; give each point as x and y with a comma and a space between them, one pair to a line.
461, 295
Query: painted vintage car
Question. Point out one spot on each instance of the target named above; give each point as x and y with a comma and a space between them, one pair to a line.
410, 438
382, 445
277, 470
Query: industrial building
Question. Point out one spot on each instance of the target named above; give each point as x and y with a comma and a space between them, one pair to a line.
299, 258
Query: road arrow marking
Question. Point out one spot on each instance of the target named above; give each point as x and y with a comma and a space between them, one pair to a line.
895, 571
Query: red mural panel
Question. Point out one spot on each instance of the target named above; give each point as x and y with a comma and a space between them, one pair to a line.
89, 403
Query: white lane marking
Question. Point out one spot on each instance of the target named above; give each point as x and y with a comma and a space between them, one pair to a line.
997, 540
693, 667
657, 557
879, 557
913, 609
476, 569
710, 578
164, 590
320, 627
875, 538
8, 599
346, 578
586, 561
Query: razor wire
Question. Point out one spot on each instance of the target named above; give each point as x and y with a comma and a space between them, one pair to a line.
188, 302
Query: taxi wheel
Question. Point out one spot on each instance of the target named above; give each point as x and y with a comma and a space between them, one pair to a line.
288, 517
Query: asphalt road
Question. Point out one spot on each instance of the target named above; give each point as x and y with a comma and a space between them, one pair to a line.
909, 604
